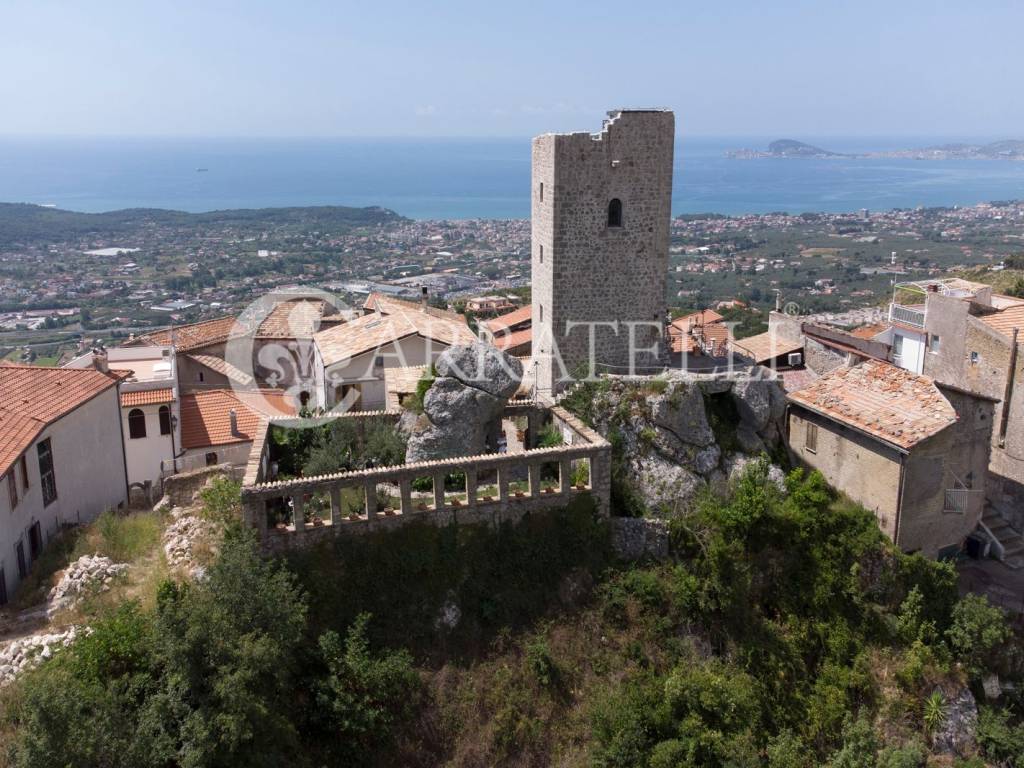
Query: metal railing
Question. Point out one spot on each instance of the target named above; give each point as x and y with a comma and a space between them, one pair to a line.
957, 500
906, 315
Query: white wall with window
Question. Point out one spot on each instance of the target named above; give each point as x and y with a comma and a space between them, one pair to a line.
72, 472
149, 439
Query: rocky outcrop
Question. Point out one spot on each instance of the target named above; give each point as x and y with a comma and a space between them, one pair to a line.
88, 575
26, 653
184, 538
463, 404
681, 433
956, 735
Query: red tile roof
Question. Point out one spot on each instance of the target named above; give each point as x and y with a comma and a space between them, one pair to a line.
206, 416
704, 317
512, 342
147, 397
389, 305
506, 322
879, 399
1006, 320
31, 397
188, 337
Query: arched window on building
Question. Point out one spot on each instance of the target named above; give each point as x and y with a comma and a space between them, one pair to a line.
211, 459
165, 420
136, 423
615, 213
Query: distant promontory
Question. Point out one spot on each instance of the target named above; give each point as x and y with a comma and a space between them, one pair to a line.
789, 148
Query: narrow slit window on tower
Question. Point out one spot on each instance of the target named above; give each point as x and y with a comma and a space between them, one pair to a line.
542, 191
615, 213
542, 254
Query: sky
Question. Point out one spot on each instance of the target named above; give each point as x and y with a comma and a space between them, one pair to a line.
493, 68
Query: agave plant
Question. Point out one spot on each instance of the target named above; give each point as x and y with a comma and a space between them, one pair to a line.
934, 712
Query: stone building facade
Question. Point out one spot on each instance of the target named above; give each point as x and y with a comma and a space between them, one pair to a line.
967, 352
600, 210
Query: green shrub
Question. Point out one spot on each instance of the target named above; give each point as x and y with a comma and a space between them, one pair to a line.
364, 696
222, 500
978, 633
538, 659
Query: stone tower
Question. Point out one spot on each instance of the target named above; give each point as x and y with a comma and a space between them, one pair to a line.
600, 213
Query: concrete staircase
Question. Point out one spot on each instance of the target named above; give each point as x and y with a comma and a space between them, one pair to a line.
1007, 544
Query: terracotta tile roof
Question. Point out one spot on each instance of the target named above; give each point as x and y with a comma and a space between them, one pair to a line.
505, 322
515, 341
188, 337
715, 335
389, 305
1006, 320
147, 397
372, 331
32, 397
682, 341
224, 368
886, 402
764, 347
401, 381
869, 331
206, 416
295, 319
704, 317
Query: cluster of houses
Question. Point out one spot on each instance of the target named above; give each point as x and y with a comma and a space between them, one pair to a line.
108, 428
919, 418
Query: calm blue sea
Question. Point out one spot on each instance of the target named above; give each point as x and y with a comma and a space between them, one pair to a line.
463, 178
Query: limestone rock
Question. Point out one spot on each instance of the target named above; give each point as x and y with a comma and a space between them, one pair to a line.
753, 401
183, 537
464, 403
89, 574
664, 483
957, 734
26, 653
681, 412
482, 366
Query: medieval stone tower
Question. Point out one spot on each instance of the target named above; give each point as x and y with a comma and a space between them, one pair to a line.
600, 211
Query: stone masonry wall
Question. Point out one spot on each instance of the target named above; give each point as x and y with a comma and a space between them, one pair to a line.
584, 271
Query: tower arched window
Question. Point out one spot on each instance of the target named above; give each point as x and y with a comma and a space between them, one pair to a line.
615, 213
165, 420
136, 423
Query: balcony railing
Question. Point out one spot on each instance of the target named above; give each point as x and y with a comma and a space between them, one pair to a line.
957, 500
906, 315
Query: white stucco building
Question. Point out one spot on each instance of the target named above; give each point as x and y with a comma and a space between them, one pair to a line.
61, 458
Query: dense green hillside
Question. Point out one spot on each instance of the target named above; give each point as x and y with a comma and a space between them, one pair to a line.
785, 631
32, 223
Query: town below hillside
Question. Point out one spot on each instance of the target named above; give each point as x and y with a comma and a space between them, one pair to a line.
66, 276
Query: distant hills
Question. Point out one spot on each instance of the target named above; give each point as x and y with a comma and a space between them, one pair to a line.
997, 150
22, 222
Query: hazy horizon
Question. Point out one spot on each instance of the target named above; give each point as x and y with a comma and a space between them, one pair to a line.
321, 69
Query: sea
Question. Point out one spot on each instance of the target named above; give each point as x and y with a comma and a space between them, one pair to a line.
460, 178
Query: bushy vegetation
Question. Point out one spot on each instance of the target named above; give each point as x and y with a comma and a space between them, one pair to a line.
336, 445
786, 632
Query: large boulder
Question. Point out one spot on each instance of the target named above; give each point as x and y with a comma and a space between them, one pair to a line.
680, 411
753, 402
464, 403
663, 483
483, 367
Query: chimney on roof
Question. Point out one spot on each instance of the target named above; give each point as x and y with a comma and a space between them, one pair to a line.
424, 297
233, 417
99, 359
